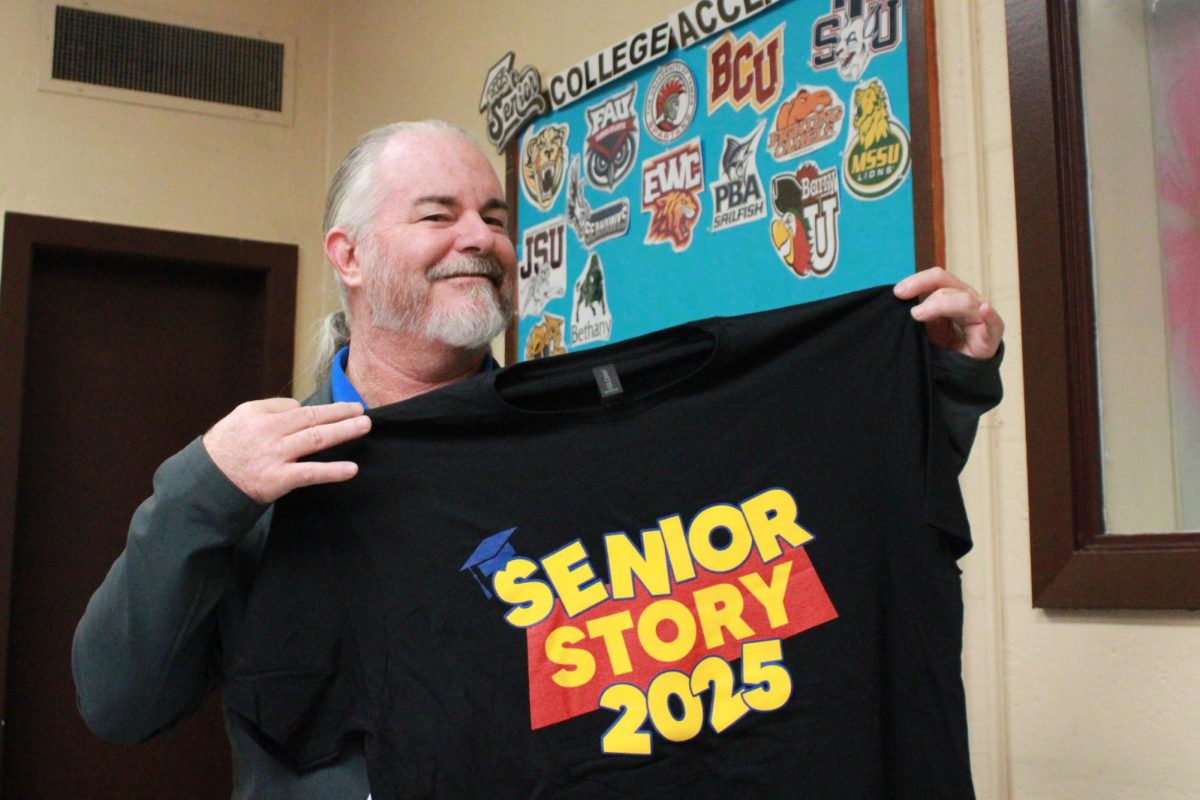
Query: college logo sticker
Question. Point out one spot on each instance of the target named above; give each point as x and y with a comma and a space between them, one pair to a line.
745, 70
805, 229
738, 195
543, 165
878, 155
671, 187
546, 338
592, 227
543, 273
855, 31
612, 140
591, 320
670, 102
806, 121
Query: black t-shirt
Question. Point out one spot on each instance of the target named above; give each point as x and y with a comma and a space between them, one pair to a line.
732, 576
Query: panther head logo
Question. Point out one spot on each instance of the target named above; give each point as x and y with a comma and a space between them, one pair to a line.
544, 165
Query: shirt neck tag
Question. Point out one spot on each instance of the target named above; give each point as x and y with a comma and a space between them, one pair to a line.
607, 382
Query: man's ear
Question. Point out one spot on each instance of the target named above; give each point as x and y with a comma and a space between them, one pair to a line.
342, 252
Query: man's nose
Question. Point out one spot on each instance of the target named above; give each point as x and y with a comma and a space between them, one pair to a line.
474, 235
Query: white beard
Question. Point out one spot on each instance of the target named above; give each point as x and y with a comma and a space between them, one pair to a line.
400, 301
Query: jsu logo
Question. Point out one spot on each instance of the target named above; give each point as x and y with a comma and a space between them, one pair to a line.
544, 248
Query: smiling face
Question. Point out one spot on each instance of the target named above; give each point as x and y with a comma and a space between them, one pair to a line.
437, 260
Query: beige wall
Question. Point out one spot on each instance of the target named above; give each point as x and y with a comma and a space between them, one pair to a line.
1063, 706
79, 157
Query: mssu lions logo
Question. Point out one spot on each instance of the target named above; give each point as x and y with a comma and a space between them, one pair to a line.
878, 155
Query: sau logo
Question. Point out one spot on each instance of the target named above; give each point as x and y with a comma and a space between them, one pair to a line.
546, 338
612, 140
878, 155
671, 187
670, 102
591, 320
543, 274
805, 122
745, 70
853, 33
738, 195
805, 230
543, 165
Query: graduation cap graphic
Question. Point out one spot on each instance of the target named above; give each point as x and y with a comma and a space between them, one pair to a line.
492, 554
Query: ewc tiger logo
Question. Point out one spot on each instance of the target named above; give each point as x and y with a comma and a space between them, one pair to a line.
671, 187
878, 155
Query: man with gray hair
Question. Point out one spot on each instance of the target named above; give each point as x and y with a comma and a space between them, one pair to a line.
417, 233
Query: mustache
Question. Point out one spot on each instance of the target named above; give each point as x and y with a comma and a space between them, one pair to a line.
466, 264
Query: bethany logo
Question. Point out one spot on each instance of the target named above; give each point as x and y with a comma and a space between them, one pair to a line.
591, 319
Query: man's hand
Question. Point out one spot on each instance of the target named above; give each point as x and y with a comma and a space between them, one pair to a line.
257, 445
955, 316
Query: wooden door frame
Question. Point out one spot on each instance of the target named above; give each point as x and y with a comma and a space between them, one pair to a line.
24, 235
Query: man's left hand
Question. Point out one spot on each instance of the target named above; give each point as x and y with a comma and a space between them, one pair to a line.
955, 316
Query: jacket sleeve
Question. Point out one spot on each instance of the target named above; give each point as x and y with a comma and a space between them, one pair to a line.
965, 389
145, 652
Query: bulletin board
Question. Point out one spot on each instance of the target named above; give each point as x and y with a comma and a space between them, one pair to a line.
741, 156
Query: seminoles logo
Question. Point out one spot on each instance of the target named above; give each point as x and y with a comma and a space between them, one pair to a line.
593, 226
670, 102
746, 70
738, 195
807, 121
546, 338
543, 165
612, 140
543, 274
878, 155
671, 187
591, 320
805, 229
856, 30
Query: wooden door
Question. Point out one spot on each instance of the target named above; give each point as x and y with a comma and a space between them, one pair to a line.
118, 346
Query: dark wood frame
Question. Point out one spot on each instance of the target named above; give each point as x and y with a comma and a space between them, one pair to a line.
1075, 564
925, 139
24, 234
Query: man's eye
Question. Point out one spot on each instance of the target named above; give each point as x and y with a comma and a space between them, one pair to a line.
496, 222
435, 218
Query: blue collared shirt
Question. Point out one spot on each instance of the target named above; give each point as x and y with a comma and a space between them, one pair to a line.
343, 391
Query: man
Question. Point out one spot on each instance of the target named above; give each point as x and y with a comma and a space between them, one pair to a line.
417, 232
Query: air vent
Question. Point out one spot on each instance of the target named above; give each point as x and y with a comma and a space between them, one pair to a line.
93, 48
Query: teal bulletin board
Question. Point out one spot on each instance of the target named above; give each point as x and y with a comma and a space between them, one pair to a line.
771, 162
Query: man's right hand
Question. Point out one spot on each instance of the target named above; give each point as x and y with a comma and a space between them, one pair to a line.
257, 446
